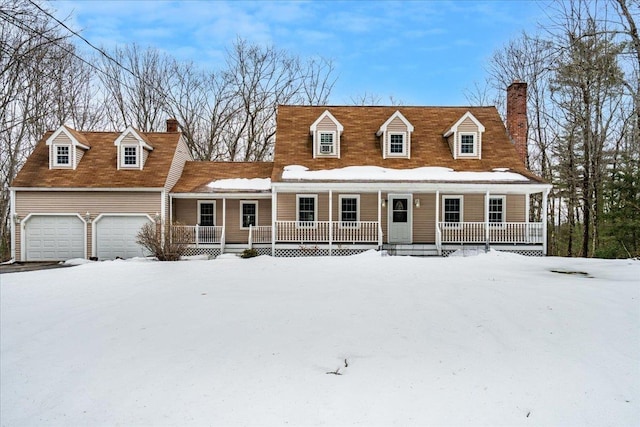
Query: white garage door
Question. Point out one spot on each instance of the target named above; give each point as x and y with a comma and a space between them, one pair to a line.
116, 236
54, 238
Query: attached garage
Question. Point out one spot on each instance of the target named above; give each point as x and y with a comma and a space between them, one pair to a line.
115, 236
54, 237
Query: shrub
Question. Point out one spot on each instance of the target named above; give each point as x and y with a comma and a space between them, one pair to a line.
249, 253
165, 246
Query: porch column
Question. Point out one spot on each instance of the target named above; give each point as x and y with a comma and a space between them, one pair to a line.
438, 233
486, 220
274, 213
330, 221
379, 231
224, 224
545, 196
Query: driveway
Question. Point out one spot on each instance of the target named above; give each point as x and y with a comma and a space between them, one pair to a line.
30, 266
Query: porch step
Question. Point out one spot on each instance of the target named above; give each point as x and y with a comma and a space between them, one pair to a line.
411, 250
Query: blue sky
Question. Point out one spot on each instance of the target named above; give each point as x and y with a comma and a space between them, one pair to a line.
419, 52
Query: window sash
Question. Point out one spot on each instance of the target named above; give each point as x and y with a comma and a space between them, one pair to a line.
467, 144
306, 209
349, 210
249, 214
207, 214
496, 210
396, 143
452, 210
326, 143
130, 156
63, 155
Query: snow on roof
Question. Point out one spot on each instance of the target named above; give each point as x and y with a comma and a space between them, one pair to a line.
253, 184
376, 173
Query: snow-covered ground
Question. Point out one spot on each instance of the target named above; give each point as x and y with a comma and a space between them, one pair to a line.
494, 339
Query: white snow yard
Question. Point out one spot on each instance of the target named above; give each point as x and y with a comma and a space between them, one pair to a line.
493, 339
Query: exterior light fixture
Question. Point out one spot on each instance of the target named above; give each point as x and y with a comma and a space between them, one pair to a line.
384, 202
416, 202
156, 217
87, 217
16, 218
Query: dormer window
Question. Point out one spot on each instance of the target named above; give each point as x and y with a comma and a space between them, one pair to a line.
326, 132
397, 145
130, 155
395, 137
327, 143
465, 137
63, 155
133, 149
66, 148
468, 144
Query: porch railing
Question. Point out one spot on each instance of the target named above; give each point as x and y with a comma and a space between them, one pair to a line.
319, 231
259, 234
198, 234
481, 232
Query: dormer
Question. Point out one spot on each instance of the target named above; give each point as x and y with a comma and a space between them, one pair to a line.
66, 148
326, 131
465, 137
395, 137
133, 149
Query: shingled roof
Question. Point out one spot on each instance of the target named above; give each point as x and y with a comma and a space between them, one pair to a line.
360, 146
196, 175
98, 166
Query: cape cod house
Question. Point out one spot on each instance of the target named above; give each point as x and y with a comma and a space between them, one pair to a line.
344, 179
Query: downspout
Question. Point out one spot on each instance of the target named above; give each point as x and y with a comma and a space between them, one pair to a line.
224, 224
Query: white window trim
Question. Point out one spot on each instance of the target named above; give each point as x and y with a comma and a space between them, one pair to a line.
453, 224
213, 202
501, 224
315, 210
343, 224
122, 155
334, 149
405, 144
55, 155
247, 202
475, 144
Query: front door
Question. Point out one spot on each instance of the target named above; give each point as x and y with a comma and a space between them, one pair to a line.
400, 221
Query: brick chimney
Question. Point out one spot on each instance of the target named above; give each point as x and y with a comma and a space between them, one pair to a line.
172, 125
517, 117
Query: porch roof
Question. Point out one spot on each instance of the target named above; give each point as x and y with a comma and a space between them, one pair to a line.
200, 177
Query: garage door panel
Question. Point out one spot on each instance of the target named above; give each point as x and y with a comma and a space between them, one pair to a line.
54, 238
116, 236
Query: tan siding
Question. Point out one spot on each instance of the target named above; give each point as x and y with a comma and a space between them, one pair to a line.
180, 157
286, 204
79, 155
80, 202
145, 155
396, 125
185, 211
451, 141
62, 138
233, 233
516, 208
467, 126
326, 125
128, 140
424, 217
474, 207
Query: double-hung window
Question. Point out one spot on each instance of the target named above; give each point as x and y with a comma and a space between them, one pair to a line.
452, 210
468, 144
496, 211
63, 155
397, 144
307, 210
130, 155
206, 213
249, 214
327, 143
349, 215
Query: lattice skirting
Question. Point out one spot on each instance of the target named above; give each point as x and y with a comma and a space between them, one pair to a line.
525, 252
212, 252
263, 251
